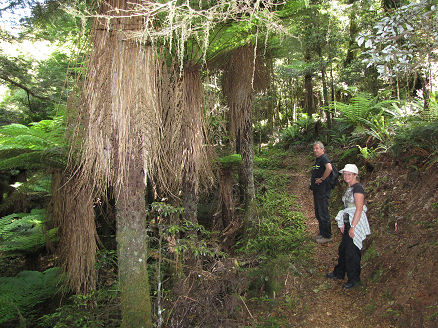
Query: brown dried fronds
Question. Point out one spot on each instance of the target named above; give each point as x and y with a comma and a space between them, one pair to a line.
209, 298
194, 144
118, 112
74, 214
183, 151
237, 87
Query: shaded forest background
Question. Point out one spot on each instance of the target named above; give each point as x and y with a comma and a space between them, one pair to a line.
146, 150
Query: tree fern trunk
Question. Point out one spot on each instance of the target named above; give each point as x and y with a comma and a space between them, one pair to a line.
238, 91
132, 241
308, 85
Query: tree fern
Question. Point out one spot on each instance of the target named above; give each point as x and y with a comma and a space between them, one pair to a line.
361, 109
40, 145
23, 233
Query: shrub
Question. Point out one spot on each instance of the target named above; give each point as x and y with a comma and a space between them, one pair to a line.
96, 310
270, 158
417, 140
279, 230
301, 131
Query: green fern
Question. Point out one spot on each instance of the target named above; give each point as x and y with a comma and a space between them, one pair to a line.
40, 145
23, 233
20, 294
360, 110
231, 160
418, 135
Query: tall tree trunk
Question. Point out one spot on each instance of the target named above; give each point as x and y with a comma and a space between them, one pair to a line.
332, 93
238, 91
324, 86
130, 63
116, 133
293, 111
426, 95
308, 86
132, 249
354, 30
246, 172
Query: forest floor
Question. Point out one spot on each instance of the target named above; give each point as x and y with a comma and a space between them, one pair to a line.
323, 302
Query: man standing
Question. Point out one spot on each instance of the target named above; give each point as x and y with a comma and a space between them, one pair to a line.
321, 192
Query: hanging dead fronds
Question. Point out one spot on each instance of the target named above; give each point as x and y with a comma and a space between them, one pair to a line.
129, 110
238, 91
119, 115
237, 87
194, 151
134, 106
183, 152
72, 210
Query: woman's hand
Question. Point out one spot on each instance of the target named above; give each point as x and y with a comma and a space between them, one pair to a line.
342, 230
351, 232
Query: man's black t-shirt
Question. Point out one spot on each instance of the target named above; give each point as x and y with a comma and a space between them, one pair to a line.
318, 170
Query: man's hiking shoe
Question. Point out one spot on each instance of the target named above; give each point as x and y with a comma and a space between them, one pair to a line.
324, 240
351, 284
317, 237
331, 275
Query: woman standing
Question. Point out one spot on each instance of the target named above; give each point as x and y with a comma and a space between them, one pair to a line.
353, 223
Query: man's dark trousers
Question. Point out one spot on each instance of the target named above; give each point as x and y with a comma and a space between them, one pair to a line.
321, 202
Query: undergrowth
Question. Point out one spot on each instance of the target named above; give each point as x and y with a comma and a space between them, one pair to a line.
277, 237
98, 309
278, 229
270, 158
24, 233
417, 141
20, 295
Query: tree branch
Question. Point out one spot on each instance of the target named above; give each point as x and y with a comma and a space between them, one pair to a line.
29, 91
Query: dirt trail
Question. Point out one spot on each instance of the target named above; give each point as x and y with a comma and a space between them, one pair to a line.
323, 302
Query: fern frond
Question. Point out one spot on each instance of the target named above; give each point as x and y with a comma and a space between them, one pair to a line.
34, 160
18, 295
13, 130
361, 107
25, 142
39, 146
23, 233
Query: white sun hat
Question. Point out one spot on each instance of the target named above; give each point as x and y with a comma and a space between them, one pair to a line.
350, 168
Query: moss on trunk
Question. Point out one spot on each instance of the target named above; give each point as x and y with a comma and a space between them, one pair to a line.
132, 248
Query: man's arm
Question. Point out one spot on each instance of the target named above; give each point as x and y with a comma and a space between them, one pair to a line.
328, 170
